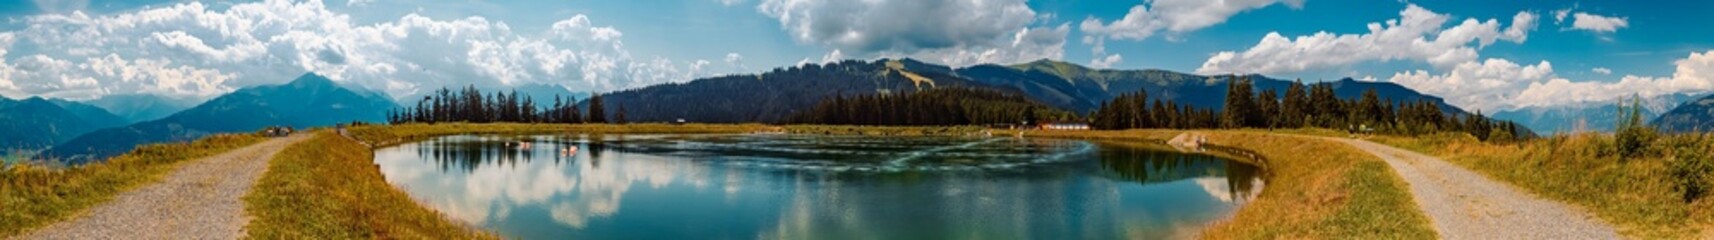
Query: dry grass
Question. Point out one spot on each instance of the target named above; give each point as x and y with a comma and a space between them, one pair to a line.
329, 188
1636, 195
1315, 189
32, 196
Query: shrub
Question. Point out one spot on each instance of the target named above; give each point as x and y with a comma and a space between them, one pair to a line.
1634, 135
1633, 141
1694, 176
1692, 166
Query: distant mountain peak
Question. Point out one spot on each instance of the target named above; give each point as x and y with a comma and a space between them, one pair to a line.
311, 79
36, 99
1693, 115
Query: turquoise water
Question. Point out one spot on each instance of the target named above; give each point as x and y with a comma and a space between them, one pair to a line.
816, 187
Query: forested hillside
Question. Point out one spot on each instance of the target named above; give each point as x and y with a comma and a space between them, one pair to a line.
1081, 89
37, 123
775, 95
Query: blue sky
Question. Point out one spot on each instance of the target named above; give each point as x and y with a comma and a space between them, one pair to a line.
1486, 55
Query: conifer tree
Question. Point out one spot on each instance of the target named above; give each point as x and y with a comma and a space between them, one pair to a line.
597, 109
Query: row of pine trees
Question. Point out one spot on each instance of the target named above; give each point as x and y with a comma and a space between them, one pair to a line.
934, 107
473, 106
1312, 105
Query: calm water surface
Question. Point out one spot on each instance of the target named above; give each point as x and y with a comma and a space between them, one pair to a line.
816, 187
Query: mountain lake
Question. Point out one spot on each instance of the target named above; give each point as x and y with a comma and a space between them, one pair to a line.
783, 186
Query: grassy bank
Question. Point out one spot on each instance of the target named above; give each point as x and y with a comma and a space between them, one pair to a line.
33, 196
1315, 189
329, 188
1642, 196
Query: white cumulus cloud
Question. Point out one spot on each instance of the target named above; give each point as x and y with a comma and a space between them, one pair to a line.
1602, 71
1417, 35
953, 32
1693, 74
1495, 84
191, 49
1106, 62
1484, 85
736, 61
1598, 23
1175, 16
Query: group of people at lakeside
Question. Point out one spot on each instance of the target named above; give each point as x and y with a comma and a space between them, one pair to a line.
277, 131
282, 131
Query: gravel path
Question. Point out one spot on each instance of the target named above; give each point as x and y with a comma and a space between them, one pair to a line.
199, 200
1466, 205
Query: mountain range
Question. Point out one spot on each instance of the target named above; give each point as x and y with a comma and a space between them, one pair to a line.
771, 96
1595, 116
37, 123
141, 107
1695, 115
1081, 89
309, 101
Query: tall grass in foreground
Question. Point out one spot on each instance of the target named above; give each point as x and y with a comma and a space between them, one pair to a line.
1316, 189
1651, 187
328, 187
33, 196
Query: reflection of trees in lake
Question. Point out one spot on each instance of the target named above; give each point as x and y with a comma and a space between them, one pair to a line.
467, 153
595, 147
1148, 166
1242, 178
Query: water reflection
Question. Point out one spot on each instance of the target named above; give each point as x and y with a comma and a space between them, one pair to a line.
808, 187
1160, 165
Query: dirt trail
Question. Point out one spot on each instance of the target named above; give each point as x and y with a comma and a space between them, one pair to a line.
1465, 205
199, 200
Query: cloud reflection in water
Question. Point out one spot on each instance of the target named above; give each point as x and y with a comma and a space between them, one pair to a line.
703, 187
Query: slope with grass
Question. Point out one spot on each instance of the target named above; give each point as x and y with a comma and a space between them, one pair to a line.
1465, 205
329, 188
34, 196
197, 200
1643, 197
1338, 192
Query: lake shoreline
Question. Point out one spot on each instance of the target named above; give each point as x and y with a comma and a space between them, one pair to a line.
1378, 196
